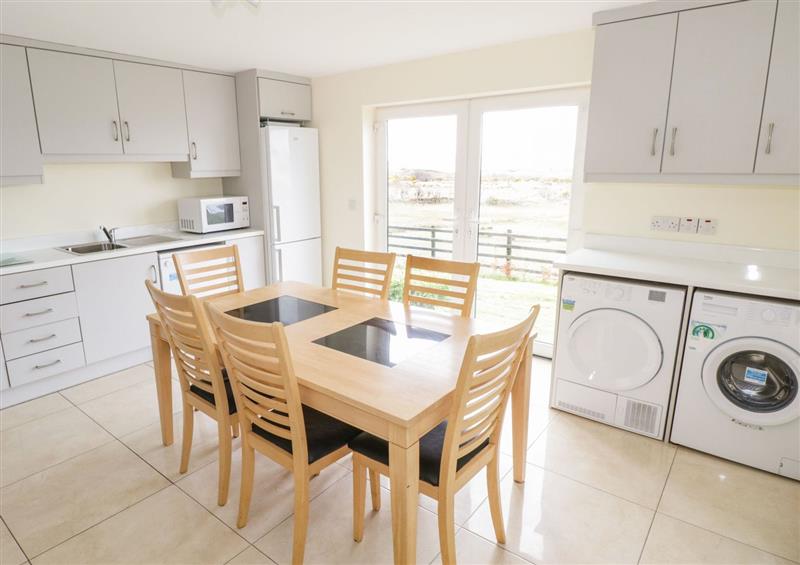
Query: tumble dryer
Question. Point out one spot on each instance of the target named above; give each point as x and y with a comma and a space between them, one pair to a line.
738, 389
615, 351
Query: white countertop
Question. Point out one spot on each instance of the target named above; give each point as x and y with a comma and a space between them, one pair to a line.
52, 257
762, 280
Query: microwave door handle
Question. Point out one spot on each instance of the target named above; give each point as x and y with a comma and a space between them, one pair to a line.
277, 210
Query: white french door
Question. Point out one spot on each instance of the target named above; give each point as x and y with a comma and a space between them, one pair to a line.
489, 180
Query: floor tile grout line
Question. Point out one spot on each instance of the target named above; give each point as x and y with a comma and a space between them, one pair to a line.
658, 504
24, 553
4, 430
249, 546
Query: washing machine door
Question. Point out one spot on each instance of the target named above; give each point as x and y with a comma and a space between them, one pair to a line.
613, 350
754, 380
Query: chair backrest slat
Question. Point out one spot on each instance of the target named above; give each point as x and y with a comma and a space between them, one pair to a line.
209, 272
259, 365
192, 347
441, 283
367, 272
487, 374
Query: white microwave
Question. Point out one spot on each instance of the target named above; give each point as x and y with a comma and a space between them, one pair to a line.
204, 215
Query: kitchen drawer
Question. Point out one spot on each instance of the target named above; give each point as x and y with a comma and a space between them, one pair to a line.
45, 364
41, 338
283, 100
22, 315
33, 284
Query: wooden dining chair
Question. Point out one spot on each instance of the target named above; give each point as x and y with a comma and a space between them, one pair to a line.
274, 422
368, 272
437, 282
453, 452
210, 272
204, 384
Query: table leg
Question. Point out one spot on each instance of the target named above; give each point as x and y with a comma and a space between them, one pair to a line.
404, 477
520, 412
162, 363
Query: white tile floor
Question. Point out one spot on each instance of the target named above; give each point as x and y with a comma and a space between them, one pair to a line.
85, 479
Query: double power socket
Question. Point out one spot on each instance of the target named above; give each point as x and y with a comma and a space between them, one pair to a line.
678, 224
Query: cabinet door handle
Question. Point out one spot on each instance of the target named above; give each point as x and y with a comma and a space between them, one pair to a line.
770, 129
127, 130
46, 365
40, 339
194, 151
155, 274
39, 313
672, 143
277, 222
32, 285
284, 113
279, 252
653, 142
116, 130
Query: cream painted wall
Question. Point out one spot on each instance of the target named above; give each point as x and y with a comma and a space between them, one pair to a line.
76, 197
343, 105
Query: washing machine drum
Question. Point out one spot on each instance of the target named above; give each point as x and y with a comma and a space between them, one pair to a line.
613, 350
754, 380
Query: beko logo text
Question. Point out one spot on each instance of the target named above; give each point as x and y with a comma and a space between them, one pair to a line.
746, 425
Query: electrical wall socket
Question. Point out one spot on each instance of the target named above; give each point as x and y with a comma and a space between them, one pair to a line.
665, 223
707, 226
688, 225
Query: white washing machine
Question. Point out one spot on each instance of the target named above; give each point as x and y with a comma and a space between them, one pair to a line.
615, 351
738, 392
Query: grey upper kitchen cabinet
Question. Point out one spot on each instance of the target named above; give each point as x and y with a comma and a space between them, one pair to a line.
284, 100
719, 76
76, 104
20, 156
630, 92
112, 304
151, 110
779, 144
212, 124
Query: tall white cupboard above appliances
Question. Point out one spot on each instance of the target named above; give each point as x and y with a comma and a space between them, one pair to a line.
615, 351
738, 392
685, 93
206, 215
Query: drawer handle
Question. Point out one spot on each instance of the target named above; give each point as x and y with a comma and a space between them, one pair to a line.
32, 285
40, 339
39, 313
283, 113
46, 365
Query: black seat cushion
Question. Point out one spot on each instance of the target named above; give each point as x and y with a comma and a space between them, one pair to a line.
209, 397
324, 434
430, 452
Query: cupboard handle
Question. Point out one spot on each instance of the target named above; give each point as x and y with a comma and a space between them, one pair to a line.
127, 131
770, 129
46, 365
283, 113
39, 313
280, 264
116, 130
194, 151
277, 222
653, 143
40, 339
155, 274
32, 285
672, 143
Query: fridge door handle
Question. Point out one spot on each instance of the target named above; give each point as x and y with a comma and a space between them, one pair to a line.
279, 261
277, 215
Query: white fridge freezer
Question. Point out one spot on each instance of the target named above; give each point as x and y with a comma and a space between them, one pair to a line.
294, 200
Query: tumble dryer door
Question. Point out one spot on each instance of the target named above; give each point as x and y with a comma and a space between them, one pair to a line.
613, 350
754, 380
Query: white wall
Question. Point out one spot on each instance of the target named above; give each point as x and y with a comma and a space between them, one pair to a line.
77, 197
756, 216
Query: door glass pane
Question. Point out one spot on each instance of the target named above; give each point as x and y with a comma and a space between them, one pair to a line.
527, 157
421, 155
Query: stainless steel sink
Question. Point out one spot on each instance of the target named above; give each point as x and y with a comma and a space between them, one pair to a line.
147, 240
85, 248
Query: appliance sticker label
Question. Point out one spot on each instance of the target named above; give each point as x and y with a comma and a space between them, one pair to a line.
701, 330
755, 376
567, 304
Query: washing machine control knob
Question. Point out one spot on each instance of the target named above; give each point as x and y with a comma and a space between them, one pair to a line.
768, 315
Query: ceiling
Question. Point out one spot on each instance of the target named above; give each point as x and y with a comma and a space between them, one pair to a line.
305, 38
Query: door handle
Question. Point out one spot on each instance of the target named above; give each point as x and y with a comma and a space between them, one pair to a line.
770, 129
116, 129
127, 130
279, 260
277, 210
672, 143
653, 142
194, 151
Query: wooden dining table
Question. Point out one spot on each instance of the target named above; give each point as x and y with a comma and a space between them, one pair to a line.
400, 403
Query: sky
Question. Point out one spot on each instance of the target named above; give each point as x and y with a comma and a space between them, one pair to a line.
536, 141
